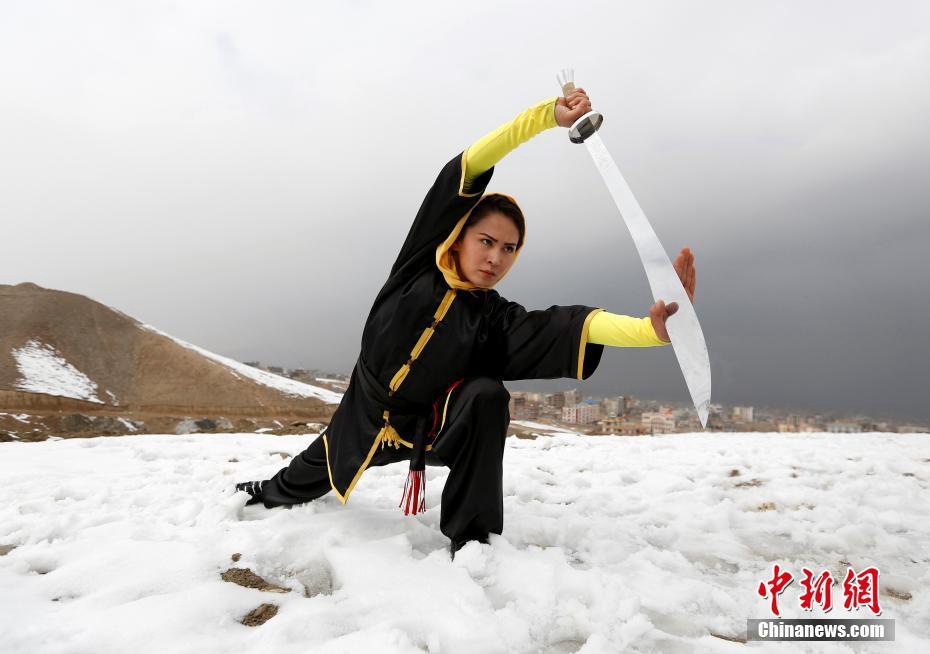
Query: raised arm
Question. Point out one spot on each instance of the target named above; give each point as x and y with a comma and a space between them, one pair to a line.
462, 181
487, 151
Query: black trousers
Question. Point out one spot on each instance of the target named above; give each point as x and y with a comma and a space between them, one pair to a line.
471, 445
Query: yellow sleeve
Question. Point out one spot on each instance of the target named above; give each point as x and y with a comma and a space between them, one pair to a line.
494, 146
623, 331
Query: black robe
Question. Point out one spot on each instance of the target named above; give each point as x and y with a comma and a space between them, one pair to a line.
421, 335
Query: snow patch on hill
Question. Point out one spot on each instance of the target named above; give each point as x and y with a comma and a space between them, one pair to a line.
44, 370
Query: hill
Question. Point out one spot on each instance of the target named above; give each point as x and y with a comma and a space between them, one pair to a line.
64, 353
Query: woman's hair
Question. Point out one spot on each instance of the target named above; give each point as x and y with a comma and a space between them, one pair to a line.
490, 204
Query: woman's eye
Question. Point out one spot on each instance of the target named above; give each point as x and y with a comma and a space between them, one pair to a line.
510, 249
486, 241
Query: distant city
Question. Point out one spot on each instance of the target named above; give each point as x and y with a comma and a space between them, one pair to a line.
633, 416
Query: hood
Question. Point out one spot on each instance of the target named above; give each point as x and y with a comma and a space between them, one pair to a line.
445, 260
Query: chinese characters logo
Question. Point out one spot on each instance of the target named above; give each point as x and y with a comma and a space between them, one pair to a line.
860, 590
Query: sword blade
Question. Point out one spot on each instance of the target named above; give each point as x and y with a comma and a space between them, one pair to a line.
683, 327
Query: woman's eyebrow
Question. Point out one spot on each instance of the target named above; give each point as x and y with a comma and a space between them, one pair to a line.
494, 239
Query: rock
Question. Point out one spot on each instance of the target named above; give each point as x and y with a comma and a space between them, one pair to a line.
260, 616
186, 426
191, 426
235, 557
110, 426
248, 579
6, 549
732, 638
897, 594
75, 422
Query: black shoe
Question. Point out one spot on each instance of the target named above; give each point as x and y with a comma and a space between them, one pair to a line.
253, 488
456, 545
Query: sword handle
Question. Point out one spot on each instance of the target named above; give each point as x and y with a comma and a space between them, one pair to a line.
586, 125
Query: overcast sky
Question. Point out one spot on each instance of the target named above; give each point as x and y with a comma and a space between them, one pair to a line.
242, 175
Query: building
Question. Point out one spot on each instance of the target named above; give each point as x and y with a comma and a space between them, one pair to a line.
743, 413
844, 427
610, 425
522, 407
626, 403
659, 422
629, 428
610, 406
555, 400
581, 414
618, 425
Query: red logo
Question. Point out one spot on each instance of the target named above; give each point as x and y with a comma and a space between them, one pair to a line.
819, 591
778, 583
859, 590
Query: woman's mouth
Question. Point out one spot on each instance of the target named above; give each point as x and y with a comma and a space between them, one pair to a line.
486, 273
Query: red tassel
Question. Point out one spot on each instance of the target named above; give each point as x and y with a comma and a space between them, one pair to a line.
414, 497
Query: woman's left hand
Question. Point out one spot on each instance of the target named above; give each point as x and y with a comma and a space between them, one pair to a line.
687, 273
572, 107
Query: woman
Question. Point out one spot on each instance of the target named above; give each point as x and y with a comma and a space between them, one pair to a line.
439, 342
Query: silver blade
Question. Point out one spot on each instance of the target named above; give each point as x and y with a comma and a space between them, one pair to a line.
683, 327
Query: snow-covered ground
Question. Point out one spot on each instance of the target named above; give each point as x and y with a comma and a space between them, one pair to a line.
541, 426
610, 544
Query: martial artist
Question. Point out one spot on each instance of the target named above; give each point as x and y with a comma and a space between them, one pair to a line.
439, 342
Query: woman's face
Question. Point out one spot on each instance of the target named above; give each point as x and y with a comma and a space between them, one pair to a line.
487, 249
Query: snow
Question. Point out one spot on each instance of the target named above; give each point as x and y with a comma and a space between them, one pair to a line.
610, 544
43, 370
290, 387
539, 425
21, 417
128, 424
333, 381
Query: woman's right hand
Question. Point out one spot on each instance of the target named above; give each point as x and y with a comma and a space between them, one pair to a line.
660, 312
572, 107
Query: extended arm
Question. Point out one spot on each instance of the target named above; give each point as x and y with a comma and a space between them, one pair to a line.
623, 331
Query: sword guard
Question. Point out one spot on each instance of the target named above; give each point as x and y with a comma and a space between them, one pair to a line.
585, 126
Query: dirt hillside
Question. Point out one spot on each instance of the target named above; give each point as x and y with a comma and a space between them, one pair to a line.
62, 351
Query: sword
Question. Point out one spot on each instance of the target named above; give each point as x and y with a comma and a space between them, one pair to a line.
683, 327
